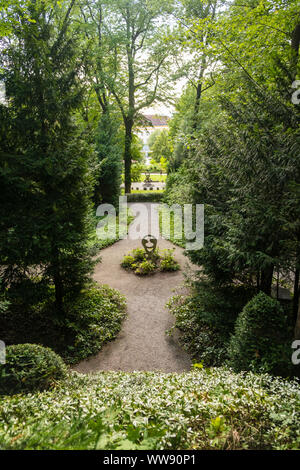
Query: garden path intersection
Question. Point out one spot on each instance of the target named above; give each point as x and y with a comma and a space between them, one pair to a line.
142, 343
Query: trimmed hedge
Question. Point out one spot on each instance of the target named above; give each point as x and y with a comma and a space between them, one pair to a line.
30, 367
259, 342
206, 319
145, 197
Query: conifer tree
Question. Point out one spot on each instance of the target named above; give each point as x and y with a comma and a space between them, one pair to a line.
44, 163
109, 153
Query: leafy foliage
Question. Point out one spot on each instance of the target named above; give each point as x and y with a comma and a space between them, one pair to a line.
235, 135
30, 367
91, 319
141, 264
45, 163
109, 154
260, 340
122, 35
204, 409
167, 261
160, 146
94, 243
206, 319
150, 196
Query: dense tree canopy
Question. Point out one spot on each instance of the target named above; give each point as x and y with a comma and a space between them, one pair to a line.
244, 153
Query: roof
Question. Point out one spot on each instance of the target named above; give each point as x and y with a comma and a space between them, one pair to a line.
156, 121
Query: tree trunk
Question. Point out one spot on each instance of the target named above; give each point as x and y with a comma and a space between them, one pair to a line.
127, 155
58, 292
58, 283
297, 326
296, 295
266, 279
197, 105
295, 44
199, 91
296, 298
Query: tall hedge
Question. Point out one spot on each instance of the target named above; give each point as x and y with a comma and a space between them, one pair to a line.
259, 339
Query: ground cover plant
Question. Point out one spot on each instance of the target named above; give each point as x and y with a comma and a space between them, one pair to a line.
90, 320
175, 229
205, 409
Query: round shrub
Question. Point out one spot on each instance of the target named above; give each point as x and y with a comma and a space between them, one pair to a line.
127, 262
259, 342
30, 367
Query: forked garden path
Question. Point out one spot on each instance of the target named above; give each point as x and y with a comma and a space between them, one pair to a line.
142, 343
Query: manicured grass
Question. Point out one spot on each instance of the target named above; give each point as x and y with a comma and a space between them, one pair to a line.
95, 243
203, 409
156, 178
175, 235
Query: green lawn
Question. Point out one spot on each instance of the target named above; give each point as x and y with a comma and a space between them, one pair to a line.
156, 178
95, 243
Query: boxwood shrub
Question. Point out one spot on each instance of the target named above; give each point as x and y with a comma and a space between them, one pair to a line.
30, 367
259, 342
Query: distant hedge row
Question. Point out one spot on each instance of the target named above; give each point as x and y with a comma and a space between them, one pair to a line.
145, 197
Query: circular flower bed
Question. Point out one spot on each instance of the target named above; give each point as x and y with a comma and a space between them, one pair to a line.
142, 264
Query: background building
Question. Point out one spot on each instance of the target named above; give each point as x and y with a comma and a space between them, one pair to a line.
152, 124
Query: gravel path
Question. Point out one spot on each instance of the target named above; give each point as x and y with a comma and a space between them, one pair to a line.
142, 343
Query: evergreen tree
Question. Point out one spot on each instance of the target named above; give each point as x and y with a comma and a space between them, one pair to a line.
109, 152
44, 163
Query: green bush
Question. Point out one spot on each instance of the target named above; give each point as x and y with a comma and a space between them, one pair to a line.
202, 341
259, 342
95, 244
127, 262
218, 306
30, 367
168, 262
93, 320
206, 319
138, 254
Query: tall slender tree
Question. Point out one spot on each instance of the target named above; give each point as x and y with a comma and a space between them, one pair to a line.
132, 60
44, 162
